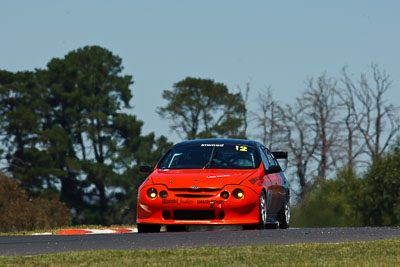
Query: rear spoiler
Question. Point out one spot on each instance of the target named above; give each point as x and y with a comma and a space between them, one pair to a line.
280, 154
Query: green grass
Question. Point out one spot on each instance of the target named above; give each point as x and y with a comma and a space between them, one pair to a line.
375, 253
55, 230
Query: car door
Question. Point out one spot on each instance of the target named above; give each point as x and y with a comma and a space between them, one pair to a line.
282, 185
271, 180
276, 181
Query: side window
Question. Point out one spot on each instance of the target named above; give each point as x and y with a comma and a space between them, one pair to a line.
270, 157
264, 158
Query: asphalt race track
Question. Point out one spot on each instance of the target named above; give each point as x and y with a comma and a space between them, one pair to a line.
31, 245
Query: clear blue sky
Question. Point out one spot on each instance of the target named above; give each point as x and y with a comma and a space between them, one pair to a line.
269, 43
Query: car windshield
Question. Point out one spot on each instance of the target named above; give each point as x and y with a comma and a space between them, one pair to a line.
211, 156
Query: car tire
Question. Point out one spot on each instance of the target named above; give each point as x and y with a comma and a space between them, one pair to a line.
148, 228
271, 226
284, 215
262, 204
249, 226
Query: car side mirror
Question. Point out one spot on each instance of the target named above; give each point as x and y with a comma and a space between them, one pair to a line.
147, 169
273, 169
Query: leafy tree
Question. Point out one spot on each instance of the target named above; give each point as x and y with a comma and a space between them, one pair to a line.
202, 108
373, 200
66, 134
151, 149
331, 202
381, 200
22, 105
88, 95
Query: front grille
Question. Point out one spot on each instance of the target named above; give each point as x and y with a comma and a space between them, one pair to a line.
192, 195
194, 190
194, 215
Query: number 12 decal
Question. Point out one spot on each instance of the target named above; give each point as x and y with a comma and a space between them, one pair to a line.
241, 148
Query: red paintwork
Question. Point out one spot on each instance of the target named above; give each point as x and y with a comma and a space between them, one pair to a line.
205, 178
236, 211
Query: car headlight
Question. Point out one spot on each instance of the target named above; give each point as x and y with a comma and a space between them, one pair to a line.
152, 193
163, 194
238, 193
225, 194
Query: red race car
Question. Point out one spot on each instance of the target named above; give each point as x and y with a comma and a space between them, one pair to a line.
215, 182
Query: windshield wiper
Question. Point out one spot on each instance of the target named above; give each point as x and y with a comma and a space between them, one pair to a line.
212, 157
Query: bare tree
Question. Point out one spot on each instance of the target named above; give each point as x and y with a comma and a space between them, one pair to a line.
353, 144
268, 118
328, 127
320, 99
312, 131
300, 140
375, 119
244, 94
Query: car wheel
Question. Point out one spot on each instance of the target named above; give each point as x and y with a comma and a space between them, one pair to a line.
263, 211
262, 215
148, 228
284, 216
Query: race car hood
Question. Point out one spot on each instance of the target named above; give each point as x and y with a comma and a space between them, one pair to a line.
207, 178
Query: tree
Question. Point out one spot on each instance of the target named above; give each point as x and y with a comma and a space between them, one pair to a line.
301, 142
66, 134
376, 120
311, 131
22, 105
244, 94
202, 108
322, 113
381, 199
331, 202
87, 96
124, 202
268, 118
353, 144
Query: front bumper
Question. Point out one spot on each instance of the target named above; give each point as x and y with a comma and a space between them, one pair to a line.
198, 207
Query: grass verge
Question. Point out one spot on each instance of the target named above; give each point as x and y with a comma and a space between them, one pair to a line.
374, 253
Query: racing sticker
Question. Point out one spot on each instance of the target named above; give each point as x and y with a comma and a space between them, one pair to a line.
258, 180
176, 201
217, 176
211, 202
202, 201
254, 180
241, 148
217, 145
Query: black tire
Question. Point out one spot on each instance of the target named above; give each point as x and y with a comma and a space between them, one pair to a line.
271, 226
284, 215
249, 226
176, 228
262, 205
148, 228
